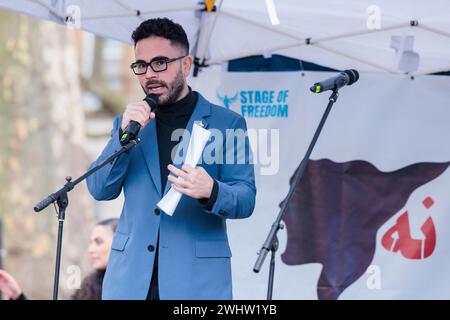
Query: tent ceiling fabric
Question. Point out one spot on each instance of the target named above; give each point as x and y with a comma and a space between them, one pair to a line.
337, 29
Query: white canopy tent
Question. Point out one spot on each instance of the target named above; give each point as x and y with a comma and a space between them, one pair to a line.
338, 34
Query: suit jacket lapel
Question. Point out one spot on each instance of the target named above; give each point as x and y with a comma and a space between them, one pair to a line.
149, 148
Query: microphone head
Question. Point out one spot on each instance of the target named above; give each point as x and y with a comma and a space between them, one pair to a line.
152, 100
353, 76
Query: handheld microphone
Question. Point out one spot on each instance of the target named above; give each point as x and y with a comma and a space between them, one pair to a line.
345, 78
132, 129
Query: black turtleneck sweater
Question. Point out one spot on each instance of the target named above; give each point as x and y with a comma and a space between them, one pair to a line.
169, 118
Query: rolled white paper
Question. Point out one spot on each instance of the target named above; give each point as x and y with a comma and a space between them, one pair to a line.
197, 143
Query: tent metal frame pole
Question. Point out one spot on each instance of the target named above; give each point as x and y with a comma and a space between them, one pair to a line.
316, 40
51, 9
434, 30
264, 26
438, 32
123, 5
141, 13
256, 52
429, 71
321, 46
352, 57
317, 43
205, 34
360, 33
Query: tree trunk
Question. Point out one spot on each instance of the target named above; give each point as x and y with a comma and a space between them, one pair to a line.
42, 125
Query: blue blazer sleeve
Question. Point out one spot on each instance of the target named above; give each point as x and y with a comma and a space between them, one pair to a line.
106, 183
237, 190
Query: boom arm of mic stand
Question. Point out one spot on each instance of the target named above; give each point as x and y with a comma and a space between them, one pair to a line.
71, 184
61, 198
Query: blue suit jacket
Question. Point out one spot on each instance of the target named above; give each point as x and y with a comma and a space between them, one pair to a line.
194, 254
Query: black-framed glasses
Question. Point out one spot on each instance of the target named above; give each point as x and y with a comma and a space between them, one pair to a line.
158, 64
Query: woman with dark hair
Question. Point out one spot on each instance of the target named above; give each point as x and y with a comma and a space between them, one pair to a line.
99, 249
91, 287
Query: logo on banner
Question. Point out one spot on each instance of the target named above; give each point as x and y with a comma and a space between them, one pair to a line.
258, 103
226, 101
398, 238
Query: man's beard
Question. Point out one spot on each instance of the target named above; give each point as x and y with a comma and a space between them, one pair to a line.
174, 89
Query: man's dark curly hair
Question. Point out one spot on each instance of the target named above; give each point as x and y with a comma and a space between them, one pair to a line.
164, 28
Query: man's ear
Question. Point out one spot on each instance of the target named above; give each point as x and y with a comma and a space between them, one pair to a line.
187, 65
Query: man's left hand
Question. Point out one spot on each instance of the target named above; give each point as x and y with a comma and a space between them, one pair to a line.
194, 182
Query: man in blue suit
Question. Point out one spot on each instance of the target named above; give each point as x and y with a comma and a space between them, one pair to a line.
186, 255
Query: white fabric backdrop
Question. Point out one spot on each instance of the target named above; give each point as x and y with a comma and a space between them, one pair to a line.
389, 121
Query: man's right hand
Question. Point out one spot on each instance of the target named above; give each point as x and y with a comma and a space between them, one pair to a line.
139, 112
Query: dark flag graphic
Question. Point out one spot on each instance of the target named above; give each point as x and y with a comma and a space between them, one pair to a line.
335, 213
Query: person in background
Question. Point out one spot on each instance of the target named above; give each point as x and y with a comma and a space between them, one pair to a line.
10, 287
91, 286
99, 249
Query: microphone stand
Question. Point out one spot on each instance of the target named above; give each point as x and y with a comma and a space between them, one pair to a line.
271, 243
62, 200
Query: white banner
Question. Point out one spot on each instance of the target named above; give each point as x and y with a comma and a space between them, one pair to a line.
387, 135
